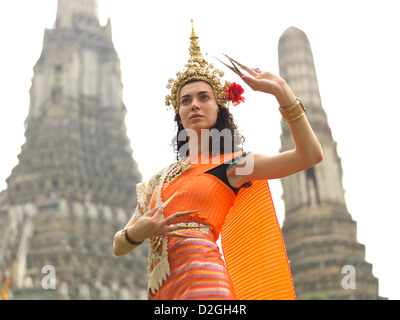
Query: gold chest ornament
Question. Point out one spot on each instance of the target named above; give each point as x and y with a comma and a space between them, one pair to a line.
177, 170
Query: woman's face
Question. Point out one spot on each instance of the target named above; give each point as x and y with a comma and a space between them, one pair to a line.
198, 107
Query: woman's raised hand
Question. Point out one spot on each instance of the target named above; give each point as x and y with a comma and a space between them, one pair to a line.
268, 82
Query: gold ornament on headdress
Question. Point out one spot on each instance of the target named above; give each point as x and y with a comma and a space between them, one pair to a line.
197, 68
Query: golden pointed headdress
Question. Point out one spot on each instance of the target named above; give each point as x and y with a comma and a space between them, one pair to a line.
197, 68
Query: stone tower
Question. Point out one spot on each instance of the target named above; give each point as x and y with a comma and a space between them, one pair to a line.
75, 183
319, 232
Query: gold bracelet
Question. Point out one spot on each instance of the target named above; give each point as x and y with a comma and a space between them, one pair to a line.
293, 112
127, 242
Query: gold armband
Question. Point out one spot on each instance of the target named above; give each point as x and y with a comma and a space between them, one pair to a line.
128, 243
293, 112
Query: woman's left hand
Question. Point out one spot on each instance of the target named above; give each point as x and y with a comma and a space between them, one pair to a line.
268, 82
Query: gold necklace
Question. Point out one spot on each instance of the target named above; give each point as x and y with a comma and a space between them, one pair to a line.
177, 170
182, 166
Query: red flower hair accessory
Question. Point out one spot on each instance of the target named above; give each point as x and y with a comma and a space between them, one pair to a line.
234, 93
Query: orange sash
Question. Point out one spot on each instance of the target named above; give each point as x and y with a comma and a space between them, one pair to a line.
254, 249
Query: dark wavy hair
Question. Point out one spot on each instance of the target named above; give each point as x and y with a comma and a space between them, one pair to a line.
224, 121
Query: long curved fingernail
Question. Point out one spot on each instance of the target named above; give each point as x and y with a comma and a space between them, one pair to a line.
183, 227
164, 205
186, 213
179, 235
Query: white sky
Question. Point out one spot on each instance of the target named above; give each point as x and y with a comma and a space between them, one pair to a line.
356, 51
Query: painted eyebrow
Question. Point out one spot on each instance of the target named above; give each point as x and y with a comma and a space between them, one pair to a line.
200, 93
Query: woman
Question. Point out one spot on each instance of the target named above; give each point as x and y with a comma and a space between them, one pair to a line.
185, 207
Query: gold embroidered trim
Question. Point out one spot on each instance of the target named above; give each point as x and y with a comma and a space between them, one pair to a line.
177, 170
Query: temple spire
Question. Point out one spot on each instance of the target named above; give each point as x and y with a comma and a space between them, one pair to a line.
76, 177
320, 234
71, 12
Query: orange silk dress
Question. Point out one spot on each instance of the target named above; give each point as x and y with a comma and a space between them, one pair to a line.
247, 220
